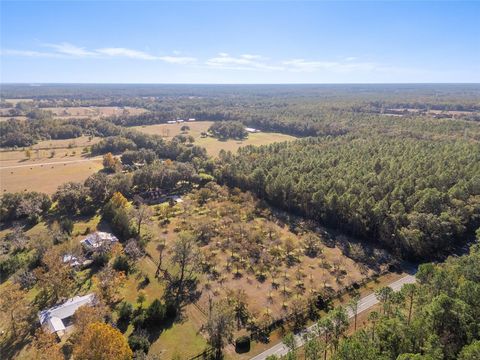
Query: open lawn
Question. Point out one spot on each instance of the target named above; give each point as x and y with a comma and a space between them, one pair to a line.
47, 165
212, 145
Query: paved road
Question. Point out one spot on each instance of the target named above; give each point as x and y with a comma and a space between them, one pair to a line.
365, 303
50, 163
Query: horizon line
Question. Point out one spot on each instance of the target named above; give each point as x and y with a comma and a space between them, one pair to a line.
186, 83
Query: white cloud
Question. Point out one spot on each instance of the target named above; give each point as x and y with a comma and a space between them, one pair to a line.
222, 61
124, 52
69, 49
251, 57
27, 53
302, 65
183, 60
243, 62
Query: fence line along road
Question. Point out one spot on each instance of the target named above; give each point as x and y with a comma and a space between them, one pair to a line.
61, 162
364, 303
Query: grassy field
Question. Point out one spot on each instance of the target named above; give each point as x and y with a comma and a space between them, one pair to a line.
95, 112
92, 111
44, 172
212, 145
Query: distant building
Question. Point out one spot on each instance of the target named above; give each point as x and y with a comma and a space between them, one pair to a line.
171, 122
251, 130
191, 119
98, 239
59, 318
180, 120
74, 261
70, 259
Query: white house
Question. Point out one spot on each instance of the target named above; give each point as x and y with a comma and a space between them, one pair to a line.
251, 130
180, 120
171, 122
59, 318
98, 239
191, 119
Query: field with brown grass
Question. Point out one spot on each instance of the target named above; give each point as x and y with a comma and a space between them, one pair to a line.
212, 145
95, 112
46, 165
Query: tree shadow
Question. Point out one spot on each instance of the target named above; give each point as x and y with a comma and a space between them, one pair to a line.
182, 294
154, 332
11, 345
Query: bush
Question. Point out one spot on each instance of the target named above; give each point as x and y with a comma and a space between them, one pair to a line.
139, 341
139, 320
66, 225
155, 313
121, 264
100, 258
125, 311
242, 344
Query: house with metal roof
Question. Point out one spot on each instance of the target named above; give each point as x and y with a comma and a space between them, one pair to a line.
59, 318
98, 240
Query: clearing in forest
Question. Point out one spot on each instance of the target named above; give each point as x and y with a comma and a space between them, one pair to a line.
212, 145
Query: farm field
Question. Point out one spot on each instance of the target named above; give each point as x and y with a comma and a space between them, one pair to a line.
94, 112
44, 172
47, 177
212, 145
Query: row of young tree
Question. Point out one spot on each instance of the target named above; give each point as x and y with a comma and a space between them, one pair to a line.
434, 319
419, 198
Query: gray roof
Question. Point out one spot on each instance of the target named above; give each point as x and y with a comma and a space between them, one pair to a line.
53, 317
98, 239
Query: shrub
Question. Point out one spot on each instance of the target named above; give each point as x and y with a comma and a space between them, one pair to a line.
155, 313
242, 344
139, 341
125, 311
139, 320
121, 264
100, 258
66, 225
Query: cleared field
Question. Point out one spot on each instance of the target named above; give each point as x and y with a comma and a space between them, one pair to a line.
212, 145
84, 111
16, 101
46, 178
49, 164
47, 151
93, 111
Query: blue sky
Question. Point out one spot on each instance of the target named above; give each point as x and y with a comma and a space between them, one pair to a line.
240, 42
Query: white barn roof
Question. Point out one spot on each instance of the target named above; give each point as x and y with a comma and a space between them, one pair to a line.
54, 318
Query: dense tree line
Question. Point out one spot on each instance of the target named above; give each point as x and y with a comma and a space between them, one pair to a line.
418, 197
29, 205
296, 110
19, 133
